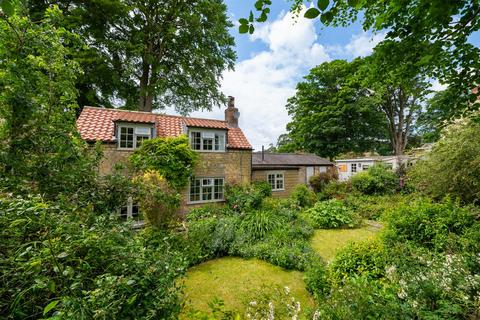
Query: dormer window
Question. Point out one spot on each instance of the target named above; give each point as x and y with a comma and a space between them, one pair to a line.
131, 136
207, 140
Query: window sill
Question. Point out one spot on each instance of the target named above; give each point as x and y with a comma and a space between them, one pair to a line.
126, 149
210, 151
275, 190
205, 201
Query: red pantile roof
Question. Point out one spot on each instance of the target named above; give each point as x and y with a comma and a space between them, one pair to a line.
99, 124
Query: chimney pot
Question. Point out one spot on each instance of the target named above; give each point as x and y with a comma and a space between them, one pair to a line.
231, 113
231, 102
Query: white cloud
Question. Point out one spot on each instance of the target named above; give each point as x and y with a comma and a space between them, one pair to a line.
435, 85
262, 84
362, 45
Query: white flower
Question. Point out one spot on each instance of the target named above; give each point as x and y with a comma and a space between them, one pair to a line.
253, 303
287, 290
271, 311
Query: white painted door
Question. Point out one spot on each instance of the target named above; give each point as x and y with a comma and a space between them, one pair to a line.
309, 174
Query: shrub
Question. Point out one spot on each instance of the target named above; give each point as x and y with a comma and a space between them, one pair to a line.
316, 280
208, 238
81, 265
243, 198
303, 196
364, 298
320, 180
208, 211
330, 214
452, 167
437, 226
263, 188
367, 258
158, 201
374, 207
335, 189
378, 179
172, 157
258, 225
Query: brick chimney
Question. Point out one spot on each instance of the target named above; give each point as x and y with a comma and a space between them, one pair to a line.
231, 113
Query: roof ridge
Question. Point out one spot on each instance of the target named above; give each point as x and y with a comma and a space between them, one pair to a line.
152, 113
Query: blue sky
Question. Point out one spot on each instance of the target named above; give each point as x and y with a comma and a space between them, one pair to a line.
275, 58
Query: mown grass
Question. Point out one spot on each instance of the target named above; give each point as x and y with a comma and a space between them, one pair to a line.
235, 281
327, 242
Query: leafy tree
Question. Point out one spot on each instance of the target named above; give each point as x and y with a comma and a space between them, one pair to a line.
452, 167
148, 54
41, 149
332, 113
398, 94
441, 109
285, 144
437, 32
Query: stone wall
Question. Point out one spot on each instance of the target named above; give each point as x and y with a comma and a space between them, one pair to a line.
234, 165
112, 156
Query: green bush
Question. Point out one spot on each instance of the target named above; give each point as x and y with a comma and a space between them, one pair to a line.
172, 157
207, 211
243, 198
303, 196
452, 166
320, 180
378, 179
330, 214
209, 238
437, 226
316, 280
157, 199
82, 265
257, 225
375, 206
335, 190
364, 298
367, 258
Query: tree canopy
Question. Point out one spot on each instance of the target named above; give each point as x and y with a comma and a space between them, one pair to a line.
148, 54
437, 32
332, 113
40, 145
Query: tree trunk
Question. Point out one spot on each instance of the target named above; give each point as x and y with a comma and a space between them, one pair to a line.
145, 99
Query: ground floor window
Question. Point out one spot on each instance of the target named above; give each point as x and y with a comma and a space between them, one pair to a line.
276, 181
131, 210
206, 189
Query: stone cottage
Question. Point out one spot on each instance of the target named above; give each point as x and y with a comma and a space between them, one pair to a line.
225, 153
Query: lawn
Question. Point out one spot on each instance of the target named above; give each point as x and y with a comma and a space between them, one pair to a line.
327, 242
236, 281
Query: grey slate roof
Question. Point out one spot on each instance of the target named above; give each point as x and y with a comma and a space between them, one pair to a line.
288, 160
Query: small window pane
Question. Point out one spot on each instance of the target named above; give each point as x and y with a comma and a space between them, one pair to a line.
207, 144
218, 189
206, 193
123, 212
195, 190
219, 142
135, 209
195, 140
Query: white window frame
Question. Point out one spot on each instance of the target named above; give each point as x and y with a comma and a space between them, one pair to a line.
136, 133
353, 167
129, 206
205, 134
278, 176
206, 182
